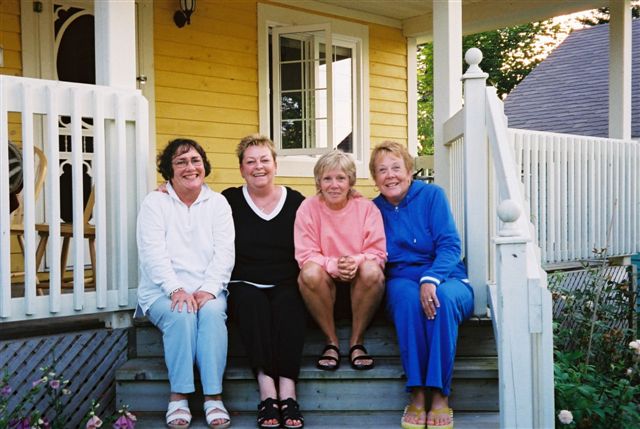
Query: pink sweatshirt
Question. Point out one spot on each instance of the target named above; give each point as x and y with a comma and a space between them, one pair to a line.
323, 235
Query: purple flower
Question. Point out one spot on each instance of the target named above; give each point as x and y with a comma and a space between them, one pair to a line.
5, 391
54, 384
124, 423
23, 423
94, 422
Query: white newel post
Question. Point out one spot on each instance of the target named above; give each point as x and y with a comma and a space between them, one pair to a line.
515, 366
116, 67
476, 180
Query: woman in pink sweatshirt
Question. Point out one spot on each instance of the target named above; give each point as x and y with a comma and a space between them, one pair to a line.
339, 240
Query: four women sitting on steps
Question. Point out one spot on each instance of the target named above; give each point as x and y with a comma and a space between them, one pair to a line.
185, 239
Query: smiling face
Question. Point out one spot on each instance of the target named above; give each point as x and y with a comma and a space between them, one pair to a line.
258, 168
188, 172
392, 177
334, 188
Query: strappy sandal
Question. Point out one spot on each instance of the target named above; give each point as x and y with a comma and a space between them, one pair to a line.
416, 411
365, 356
446, 411
325, 356
268, 410
215, 410
178, 410
290, 410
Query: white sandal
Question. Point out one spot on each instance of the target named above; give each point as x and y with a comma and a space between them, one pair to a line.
215, 410
178, 410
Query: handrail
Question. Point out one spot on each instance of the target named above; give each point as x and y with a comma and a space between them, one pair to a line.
118, 126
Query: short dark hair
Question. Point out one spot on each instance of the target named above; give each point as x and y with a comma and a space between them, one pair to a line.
175, 148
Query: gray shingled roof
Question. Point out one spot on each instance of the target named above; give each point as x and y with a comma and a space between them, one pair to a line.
568, 92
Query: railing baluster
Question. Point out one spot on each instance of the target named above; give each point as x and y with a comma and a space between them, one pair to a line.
5, 229
99, 210
78, 200
28, 203
52, 195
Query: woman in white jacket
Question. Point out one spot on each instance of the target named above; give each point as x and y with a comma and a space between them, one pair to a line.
186, 252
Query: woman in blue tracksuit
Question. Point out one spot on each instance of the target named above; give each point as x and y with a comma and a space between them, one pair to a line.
428, 294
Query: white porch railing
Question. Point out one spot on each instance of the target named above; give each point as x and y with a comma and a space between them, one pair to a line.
120, 138
578, 188
484, 175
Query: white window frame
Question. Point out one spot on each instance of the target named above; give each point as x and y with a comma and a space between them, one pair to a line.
353, 34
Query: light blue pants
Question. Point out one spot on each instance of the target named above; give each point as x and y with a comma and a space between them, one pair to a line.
189, 338
428, 347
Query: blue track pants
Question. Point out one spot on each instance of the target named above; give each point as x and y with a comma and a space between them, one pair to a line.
428, 347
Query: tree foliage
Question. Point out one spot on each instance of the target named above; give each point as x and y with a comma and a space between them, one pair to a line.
603, 15
509, 55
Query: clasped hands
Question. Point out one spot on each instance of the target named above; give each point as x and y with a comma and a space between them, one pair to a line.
347, 268
192, 301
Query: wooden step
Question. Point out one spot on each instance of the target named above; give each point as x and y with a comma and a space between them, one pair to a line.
143, 384
333, 420
475, 339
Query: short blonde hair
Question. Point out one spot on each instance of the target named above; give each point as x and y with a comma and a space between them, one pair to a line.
335, 160
392, 148
254, 140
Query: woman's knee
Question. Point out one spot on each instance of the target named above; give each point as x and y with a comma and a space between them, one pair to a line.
311, 276
370, 275
214, 310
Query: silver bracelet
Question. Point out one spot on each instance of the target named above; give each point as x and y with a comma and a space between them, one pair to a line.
174, 291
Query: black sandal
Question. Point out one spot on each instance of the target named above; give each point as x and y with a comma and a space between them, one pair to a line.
324, 356
268, 410
365, 356
290, 410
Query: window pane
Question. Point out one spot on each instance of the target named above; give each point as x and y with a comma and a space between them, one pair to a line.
343, 98
291, 105
291, 134
302, 90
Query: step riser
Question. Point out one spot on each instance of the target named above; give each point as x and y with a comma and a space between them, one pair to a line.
343, 395
474, 340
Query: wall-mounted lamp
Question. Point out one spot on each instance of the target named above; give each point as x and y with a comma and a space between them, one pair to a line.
183, 16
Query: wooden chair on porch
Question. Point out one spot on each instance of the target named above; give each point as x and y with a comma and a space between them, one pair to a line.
17, 217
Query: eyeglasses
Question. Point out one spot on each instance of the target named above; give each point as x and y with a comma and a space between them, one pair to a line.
196, 161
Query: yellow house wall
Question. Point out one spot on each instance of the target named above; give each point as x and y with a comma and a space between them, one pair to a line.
12, 65
207, 84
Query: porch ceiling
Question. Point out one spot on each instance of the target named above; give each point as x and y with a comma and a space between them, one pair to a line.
415, 16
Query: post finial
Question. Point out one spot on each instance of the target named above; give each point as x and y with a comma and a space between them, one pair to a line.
508, 211
473, 57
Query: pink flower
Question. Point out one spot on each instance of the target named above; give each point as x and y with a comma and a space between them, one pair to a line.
54, 384
124, 423
565, 417
635, 345
94, 422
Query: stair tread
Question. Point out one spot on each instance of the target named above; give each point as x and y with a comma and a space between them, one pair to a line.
333, 420
153, 368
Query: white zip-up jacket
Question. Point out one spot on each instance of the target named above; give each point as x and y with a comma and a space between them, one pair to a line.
183, 247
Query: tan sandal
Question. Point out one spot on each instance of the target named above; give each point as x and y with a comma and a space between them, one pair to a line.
446, 411
416, 411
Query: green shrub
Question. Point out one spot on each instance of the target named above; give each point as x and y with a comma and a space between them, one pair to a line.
596, 355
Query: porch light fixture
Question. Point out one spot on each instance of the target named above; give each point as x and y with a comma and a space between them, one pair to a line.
183, 16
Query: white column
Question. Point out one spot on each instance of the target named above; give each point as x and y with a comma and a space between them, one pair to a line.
115, 26
412, 96
447, 70
620, 69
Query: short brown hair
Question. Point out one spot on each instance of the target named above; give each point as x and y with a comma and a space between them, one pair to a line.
254, 140
175, 148
393, 148
335, 160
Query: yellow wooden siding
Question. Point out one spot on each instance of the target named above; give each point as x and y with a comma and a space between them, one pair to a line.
10, 37
207, 84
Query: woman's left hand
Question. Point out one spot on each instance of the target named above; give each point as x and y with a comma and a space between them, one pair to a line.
429, 300
202, 297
